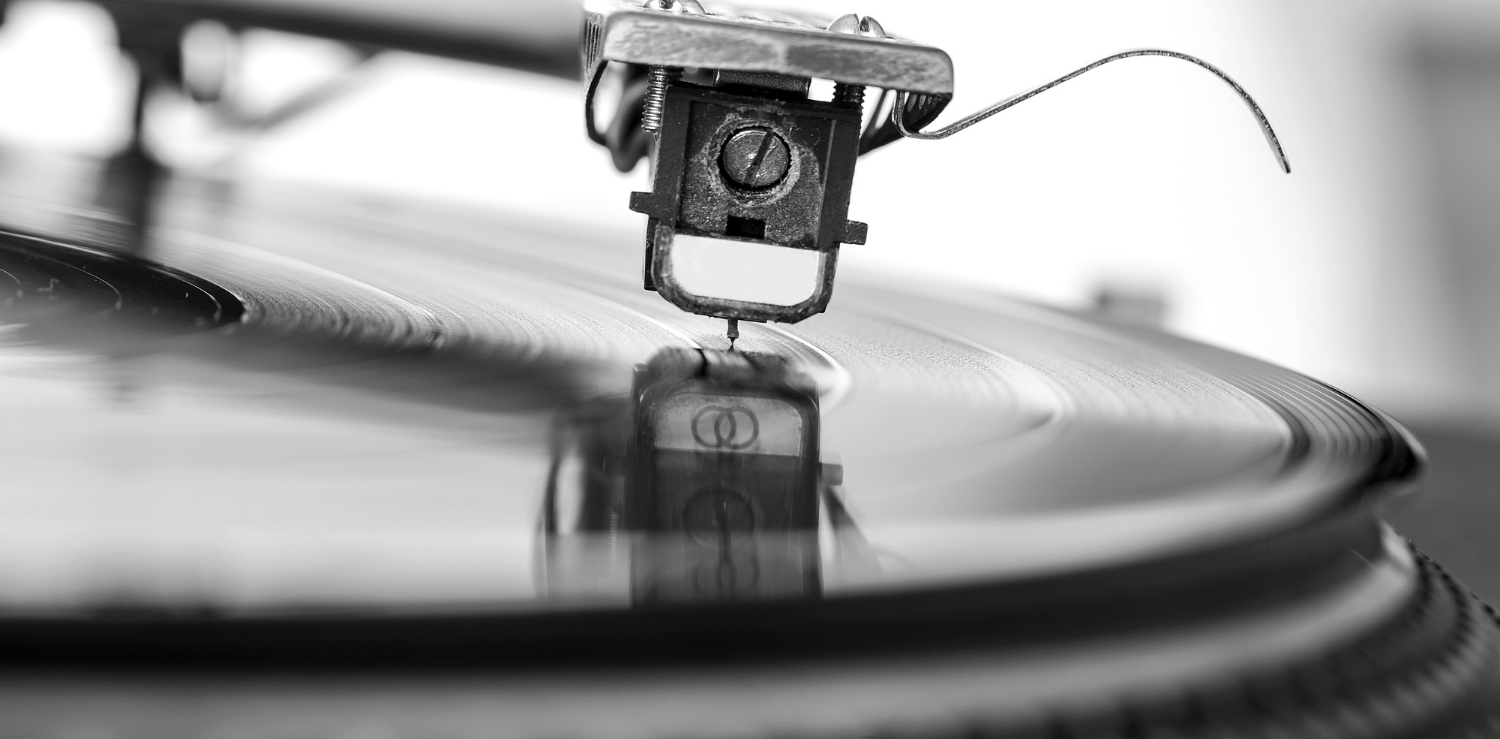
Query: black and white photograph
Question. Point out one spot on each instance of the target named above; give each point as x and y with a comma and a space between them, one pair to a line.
749, 369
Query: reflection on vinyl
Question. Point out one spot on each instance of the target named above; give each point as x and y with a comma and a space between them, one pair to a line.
712, 494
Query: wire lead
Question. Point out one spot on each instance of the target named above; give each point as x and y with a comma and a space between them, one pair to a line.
898, 110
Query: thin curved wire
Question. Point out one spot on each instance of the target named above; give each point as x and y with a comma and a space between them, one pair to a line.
898, 111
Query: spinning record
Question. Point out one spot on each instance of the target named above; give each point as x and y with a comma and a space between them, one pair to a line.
257, 428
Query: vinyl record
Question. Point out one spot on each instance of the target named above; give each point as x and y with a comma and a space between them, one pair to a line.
268, 431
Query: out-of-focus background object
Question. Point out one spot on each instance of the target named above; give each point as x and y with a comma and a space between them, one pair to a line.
1371, 267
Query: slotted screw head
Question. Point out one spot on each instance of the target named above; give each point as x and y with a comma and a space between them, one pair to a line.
755, 158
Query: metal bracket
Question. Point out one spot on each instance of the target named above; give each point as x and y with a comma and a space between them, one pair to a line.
729, 36
802, 204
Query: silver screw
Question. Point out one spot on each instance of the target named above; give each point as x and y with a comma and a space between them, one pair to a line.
658, 80
756, 158
849, 96
847, 23
691, 7
852, 95
661, 78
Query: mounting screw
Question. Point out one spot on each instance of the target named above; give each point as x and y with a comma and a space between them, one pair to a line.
657, 82
854, 25
660, 78
851, 95
692, 7
755, 158
848, 23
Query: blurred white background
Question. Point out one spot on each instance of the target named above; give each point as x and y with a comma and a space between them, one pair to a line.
1369, 266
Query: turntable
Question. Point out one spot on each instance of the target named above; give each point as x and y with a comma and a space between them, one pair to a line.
279, 464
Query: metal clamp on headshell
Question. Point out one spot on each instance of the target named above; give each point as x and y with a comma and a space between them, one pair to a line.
742, 156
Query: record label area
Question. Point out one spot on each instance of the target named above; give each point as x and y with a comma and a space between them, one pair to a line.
45, 283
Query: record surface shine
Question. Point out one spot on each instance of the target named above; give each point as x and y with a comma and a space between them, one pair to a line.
258, 401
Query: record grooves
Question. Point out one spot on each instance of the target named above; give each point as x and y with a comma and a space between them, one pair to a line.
265, 444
